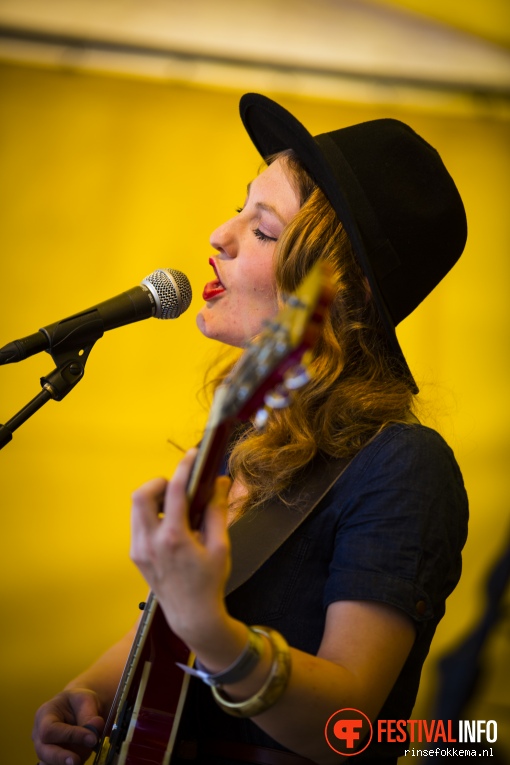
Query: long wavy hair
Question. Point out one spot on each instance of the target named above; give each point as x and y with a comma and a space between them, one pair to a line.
356, 388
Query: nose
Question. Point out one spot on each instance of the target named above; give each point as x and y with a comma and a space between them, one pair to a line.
224, 239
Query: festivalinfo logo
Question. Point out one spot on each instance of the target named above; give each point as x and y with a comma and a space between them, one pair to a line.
349, 732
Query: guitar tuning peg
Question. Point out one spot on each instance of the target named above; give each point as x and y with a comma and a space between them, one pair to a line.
278, 398
270, 324
294, 302
297, 378
260, 419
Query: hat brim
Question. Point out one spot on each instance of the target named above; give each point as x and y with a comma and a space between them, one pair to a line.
273, 129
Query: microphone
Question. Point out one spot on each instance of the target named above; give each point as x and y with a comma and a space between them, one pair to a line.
164, 294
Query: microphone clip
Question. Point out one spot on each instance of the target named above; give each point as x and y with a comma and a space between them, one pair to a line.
69, 370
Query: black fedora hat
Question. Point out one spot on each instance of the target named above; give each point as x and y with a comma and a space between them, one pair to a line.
390, 189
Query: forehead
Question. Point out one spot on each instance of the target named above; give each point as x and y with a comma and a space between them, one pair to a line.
275, 187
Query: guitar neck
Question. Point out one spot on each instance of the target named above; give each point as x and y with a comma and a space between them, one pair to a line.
209, 459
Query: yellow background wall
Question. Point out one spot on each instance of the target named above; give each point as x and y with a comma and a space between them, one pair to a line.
103, 180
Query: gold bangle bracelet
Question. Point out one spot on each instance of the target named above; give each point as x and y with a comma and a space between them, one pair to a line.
274, 685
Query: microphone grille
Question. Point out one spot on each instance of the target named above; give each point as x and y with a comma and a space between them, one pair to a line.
172, 291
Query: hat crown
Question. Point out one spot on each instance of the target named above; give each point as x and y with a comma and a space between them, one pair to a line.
405, 205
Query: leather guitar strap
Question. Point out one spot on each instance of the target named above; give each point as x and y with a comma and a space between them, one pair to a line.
259, 533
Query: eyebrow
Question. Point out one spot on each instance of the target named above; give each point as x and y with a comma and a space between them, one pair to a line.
267, 207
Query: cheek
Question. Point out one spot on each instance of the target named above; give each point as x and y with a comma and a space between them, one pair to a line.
260, 282
263, 301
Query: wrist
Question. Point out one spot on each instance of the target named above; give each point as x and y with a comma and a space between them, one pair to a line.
248, 686
241, 668
269, 692
221, 644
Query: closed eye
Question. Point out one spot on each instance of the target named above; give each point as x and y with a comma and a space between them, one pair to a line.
264, 237
258, 233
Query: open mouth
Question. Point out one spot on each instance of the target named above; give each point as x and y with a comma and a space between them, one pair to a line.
214, 288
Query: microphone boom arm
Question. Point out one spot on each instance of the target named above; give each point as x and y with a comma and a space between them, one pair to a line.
56, 385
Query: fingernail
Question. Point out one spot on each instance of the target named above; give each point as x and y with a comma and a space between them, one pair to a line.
69, 761
90, 740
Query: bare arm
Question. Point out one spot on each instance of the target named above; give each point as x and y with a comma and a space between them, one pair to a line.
363, 650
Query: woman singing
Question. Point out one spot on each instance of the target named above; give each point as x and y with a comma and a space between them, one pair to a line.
345, 610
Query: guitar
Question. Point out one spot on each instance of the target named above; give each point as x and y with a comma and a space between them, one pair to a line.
143, 723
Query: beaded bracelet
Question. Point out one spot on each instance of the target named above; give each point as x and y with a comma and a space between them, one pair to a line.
273, 687
237, 671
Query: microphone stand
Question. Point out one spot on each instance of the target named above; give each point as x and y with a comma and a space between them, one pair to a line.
56, 385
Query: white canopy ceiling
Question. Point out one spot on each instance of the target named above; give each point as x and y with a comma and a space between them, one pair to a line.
332, 48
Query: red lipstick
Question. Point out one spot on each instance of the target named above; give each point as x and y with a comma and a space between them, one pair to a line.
214, 288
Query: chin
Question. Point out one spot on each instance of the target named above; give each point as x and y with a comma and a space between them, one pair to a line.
201, 324
209, 331
206, 328
226, 337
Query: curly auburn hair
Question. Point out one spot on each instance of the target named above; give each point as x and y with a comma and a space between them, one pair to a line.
356, 388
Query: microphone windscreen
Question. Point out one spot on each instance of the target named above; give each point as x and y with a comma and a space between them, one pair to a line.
172, 291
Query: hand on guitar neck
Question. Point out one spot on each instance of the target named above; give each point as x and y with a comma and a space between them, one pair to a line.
186, 569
